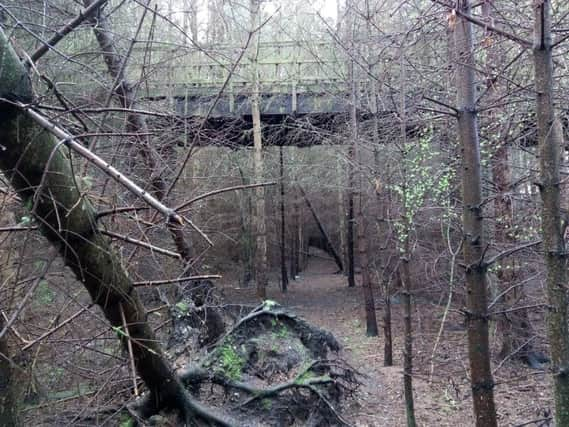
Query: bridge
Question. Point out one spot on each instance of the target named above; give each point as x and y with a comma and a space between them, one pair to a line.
294, 78
300, 83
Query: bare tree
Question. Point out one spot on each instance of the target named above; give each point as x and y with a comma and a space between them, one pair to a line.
259, 217
550, 138
476, 282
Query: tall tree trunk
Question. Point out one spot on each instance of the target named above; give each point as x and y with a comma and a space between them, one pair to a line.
408, 348
125, 93
284, 275
514, 327
40, 171
405, 249
477, 314
340, 171
259, 219
247, 249
550, 137
296, 215
369, 302
350, 223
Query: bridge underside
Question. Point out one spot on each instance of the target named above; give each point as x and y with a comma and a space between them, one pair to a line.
278, 129
206, 118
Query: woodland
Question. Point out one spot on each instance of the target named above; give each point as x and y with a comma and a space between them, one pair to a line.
284, 213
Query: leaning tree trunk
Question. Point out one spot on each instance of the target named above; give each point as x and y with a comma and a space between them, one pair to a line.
550, 137
477, 313
39, 168
125, 93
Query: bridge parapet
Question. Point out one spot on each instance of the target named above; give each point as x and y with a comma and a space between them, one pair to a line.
294, 77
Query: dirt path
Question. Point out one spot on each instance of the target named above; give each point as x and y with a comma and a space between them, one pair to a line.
324, 299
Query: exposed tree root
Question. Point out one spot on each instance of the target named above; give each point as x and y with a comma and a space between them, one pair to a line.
271, 367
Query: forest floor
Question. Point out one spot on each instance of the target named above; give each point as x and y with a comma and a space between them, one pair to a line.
522, 394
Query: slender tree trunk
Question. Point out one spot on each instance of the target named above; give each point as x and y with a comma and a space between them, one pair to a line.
284, 275
125, 93
477, 314
259, 219
369, 302
340, 170
245, 208
295, 232
387, 336
408, 349
550, 138
351, 182
294, 248
514, 328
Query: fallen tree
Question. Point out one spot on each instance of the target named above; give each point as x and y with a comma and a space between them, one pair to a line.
40, 170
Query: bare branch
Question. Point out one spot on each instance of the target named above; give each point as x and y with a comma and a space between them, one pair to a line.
141, 244
60, 34
70, 141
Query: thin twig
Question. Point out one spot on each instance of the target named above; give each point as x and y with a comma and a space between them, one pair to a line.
180, 279
17, 228
55, 329
222, 190
130, 353
524, 43
28, 295
511, 251
141, 244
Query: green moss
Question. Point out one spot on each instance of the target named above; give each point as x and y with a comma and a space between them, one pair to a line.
231, 362
126, 421
304, 377
44, 295
182, 307
267, 404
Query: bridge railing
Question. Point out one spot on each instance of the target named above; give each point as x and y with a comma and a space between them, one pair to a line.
281, 67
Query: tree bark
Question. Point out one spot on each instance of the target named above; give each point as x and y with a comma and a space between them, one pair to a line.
408, 348
350, 223
284, 275
259, 218
8, 395
476, 282
550, 137
369, 302
514, 328
40, 170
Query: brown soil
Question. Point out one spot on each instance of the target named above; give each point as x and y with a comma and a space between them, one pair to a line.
322, 297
